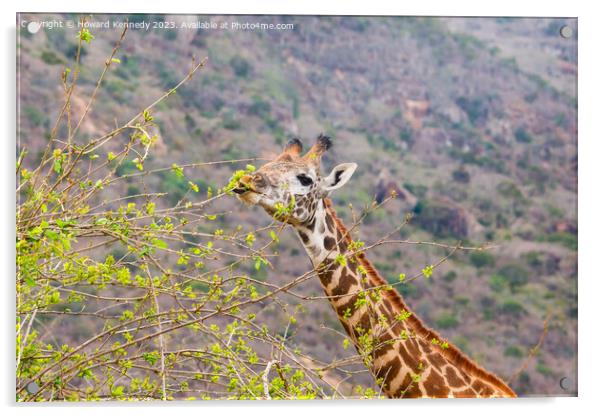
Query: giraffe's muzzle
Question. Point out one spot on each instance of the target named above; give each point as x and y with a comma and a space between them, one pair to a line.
245, 184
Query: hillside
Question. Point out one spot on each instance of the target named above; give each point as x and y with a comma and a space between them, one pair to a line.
473, 122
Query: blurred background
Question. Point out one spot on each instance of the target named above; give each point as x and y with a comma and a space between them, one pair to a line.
472, 121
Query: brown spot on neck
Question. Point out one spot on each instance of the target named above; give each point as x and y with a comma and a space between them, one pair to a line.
346, 281
435, 386
407, 389
452, 377
304, 237
389, 372
329, 243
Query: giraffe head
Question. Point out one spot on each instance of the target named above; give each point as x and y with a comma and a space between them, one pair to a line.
290, 186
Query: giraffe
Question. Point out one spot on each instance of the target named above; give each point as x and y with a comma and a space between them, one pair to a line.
407, 359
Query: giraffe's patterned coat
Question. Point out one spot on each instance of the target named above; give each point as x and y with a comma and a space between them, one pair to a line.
408, 359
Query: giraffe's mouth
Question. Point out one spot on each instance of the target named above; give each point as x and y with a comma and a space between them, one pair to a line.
247, 194
245, 185
240, 190
244, 189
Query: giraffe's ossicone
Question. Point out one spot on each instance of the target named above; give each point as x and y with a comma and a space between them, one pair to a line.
407, 359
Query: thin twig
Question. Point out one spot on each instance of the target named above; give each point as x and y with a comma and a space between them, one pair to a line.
534, 350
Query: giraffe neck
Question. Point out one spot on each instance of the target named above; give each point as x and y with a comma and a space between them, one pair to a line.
406, 358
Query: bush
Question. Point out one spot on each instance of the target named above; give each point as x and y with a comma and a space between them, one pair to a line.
461, 175
260, 107
229, 121
175, 187
544, 370
462, 342
52, 58
189, 122
512, 307
171, 35
510, 190
36, 117
441, 219
418, 190
407, 136
462, 301
357, 24
446, 321
533, 258
407, 289
119, 89
475, 108
497, 283
142, 277
450, 276
569, 240
129, 68
167, 76
241, 66
516, 275
482, 259
295, 106
71, 51
125, 168
513, 351
522, 135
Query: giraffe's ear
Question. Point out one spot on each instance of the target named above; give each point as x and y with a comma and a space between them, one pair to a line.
338, 176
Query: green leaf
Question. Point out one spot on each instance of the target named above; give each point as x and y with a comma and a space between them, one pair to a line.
179, 171
274, 236
57, 165
160, 244
138, 164
65, 223
50, 234
150, 208
258, 261
151, 358
341, 260
147, 116
85, 35
117, 392
55, 297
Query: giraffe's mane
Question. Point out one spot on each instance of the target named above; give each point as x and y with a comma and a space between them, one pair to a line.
451, 353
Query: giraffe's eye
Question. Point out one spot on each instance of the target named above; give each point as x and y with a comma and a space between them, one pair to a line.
304, 180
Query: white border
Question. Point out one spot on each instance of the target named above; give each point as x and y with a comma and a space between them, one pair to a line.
590, 155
